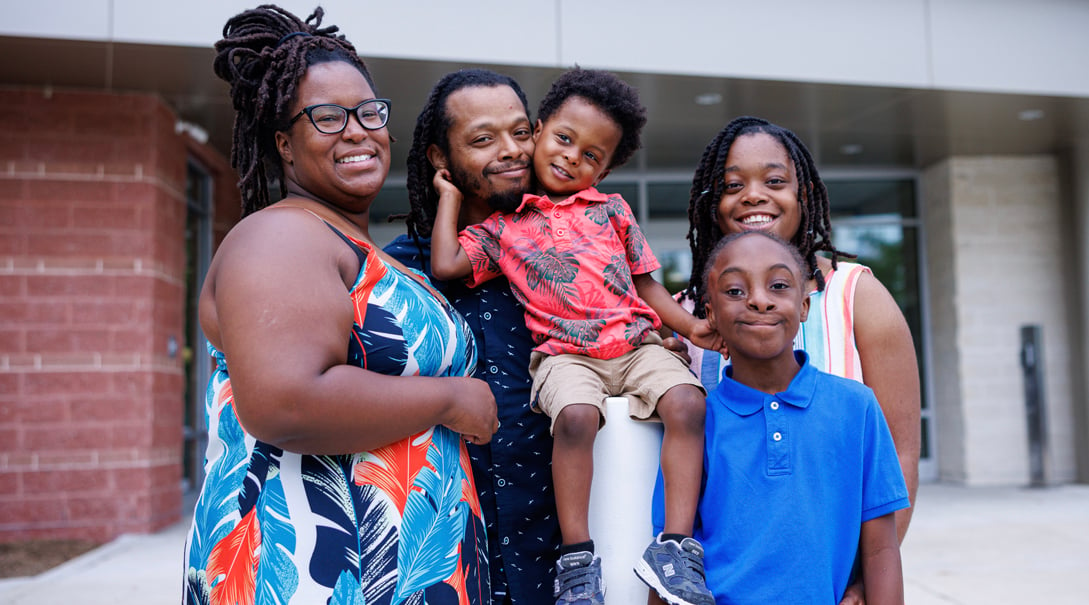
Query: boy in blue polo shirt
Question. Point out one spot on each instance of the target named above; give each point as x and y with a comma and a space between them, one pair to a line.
802, 475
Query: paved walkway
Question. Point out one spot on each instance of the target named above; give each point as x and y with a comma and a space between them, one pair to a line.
966, 546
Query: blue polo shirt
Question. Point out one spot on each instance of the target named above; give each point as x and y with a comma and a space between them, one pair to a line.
513, 473
791, 477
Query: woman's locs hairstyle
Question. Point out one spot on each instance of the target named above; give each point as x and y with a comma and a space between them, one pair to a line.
263, 55
708, 184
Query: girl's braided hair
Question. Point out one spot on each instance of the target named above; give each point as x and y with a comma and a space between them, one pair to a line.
709, 182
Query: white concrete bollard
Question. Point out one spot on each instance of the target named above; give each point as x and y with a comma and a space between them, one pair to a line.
626, 454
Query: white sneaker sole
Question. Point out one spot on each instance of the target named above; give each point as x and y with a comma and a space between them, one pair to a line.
647, 575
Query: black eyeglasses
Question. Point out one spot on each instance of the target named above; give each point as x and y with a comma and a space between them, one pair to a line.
330, 118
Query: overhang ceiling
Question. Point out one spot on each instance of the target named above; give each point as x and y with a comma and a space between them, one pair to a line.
884, 127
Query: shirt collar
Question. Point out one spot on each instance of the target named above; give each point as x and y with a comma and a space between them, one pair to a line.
590, 194
744, 400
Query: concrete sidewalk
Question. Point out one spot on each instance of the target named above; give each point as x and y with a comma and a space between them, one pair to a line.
986, 546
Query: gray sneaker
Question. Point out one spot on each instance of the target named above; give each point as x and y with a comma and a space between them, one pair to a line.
675, 572
578, 580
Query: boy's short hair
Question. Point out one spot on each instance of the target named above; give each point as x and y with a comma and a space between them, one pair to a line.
799, 262
613, 96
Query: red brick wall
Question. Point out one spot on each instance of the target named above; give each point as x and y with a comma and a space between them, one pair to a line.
92, 286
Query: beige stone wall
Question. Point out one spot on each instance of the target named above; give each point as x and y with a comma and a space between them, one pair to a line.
996, 262
1077, 177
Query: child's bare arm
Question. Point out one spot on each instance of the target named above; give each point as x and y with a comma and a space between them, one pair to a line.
699, 331
882, 574
448, 258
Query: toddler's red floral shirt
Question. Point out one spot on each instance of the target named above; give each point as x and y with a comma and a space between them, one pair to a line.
571, 265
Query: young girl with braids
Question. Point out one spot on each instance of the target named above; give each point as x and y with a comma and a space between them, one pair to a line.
336, 469
755, 175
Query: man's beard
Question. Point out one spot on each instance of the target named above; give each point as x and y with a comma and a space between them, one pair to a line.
478, 186
505, 202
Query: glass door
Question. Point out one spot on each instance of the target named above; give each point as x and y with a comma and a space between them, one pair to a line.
198, 255
876, 218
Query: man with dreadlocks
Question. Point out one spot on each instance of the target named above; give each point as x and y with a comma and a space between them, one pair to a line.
755, 175
579, 262
479, 120
337, 470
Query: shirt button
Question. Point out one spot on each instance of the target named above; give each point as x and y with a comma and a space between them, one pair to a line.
506, 541
501, 483
487, 315
560, 232
774, 405
777, 436
493, 369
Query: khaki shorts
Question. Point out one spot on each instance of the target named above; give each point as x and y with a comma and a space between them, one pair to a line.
642, 375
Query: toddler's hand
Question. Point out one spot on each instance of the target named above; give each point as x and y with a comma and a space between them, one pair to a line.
445, 187
705, 337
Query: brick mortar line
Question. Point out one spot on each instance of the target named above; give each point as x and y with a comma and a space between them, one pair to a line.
100, 175
138, 269
36, 466
96, 366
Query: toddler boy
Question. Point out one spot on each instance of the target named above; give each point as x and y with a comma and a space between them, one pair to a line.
580, 264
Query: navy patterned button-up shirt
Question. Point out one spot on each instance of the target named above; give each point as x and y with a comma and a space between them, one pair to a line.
513, 473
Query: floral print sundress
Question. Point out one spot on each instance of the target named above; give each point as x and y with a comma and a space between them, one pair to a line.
400, 524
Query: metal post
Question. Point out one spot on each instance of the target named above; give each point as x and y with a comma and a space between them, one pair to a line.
1032, 366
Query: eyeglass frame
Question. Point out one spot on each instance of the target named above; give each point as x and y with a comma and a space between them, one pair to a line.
308, 111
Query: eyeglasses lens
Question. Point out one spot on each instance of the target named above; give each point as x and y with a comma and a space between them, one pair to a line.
329, 119
373, 114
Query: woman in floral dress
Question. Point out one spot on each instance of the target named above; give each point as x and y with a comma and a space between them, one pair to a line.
337, 414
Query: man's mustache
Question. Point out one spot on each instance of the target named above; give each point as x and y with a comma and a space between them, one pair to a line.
506, 167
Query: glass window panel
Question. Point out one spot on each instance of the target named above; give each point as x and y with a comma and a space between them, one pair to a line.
924, 445
676, 269
392, 199
627, 190
668, 200
894, 198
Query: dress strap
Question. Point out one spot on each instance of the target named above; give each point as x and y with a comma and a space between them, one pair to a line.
360, 253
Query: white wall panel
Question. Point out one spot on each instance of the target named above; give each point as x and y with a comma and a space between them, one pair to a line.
1011, 46
845, 41
985, 45
489, 31
70, 19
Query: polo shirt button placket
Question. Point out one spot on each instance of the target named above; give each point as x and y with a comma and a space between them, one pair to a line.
779, 462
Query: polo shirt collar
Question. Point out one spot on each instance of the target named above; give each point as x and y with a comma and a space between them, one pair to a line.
590, 194
744, 400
